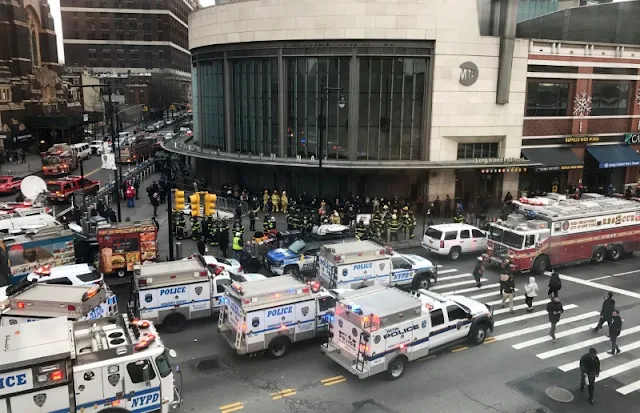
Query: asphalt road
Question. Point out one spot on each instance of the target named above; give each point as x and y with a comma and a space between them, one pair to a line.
511, 373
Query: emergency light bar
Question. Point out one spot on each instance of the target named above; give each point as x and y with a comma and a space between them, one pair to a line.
90, 294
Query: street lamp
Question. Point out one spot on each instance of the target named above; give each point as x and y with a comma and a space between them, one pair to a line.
324, 95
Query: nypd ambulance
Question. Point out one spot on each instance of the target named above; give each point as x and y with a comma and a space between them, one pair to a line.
269, 315
381, 332
358, 264
33, 301
105, 365
170, 293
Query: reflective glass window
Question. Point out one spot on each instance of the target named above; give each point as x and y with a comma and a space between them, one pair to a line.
211, 114
547, 99
610, 98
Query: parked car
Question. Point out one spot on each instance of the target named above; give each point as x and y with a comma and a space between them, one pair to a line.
96, 147
10, 184
229, 264
454, 240
169, 135
150, 128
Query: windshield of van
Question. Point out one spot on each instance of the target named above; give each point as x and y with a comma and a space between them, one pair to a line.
297, 247
434, 233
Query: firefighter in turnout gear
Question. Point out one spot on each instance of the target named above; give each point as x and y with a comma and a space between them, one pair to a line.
179, 225
361, 230
284, 201
275, 199
238, 227
376, 219
266, 223
307, 225
458, 218
335, 218
409, 221
209, 229
195, 228
394, 227
265, 199
295, 217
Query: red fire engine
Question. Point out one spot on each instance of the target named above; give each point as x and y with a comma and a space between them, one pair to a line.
555, 231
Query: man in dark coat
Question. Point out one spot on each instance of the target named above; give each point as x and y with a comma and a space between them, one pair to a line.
202, 246
615, 328
608, 305
223, 239
589, 370
554, 308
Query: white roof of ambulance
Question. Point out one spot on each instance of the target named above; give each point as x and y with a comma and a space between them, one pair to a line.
54, 293
32, 343
270, 285
385, 303
353, 247
162, 272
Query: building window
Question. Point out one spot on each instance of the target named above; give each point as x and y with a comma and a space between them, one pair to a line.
5, 93
104, 24
547, 99
304, 77
76, 24
148, 56
133, 54
391, 107
161, 55
120, 54
92, 54
133, 24
90, 24
147, 37
34, 37
211, 81
610, 98
255, 105
118, 24
106, 54
478, 150
141, 94
105, 35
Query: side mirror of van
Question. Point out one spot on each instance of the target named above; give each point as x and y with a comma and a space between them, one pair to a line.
146, 376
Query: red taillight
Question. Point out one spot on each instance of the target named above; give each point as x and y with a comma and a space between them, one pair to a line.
240, 269
172, 277
142, 281
56, 375
218, 270
99, 282
441, 244
203, 273
20, 304
305, 290
71, 307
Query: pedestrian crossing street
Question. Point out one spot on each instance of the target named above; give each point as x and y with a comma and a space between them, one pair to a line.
529, 331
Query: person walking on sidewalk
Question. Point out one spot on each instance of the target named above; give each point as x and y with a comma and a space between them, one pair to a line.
608, 305
530, 292
478, 271
509, 292
253, 217
615, 328
589, 370
155, 202
504, 277
554, 308
130, 193
555, 284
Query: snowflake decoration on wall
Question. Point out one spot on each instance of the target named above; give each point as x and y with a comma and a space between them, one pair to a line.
582, 104
638, 97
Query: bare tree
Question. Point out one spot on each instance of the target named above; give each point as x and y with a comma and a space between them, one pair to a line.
165, 90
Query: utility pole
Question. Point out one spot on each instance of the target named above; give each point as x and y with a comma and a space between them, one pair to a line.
112, 130
170, 209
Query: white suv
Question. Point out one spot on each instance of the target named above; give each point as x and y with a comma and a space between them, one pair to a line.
454, 240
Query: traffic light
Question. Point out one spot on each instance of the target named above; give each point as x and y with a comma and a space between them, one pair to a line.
179, 200
210, 204
195, 205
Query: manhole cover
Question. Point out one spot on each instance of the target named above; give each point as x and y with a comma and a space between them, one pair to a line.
208, 365
559, 394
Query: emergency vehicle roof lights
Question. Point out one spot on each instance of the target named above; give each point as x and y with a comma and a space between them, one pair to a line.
142, 324
44, 270
315, 286
20, 304
56, 375
145, 342
90, 294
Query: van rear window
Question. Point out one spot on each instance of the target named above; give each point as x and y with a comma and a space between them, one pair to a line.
434, 233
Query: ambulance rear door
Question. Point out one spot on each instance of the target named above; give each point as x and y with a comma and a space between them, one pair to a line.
328, 272
200, 294
382, 269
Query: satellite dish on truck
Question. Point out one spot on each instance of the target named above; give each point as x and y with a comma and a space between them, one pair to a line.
33, 188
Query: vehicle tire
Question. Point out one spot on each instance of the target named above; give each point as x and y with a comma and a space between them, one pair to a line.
396, 368
279, 347
421, 281
540, 265
292, 270
616, 253
478, 334
455, 252
174, 323
599, 255
121, 273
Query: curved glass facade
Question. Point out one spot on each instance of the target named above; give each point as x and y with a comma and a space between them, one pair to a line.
284, 100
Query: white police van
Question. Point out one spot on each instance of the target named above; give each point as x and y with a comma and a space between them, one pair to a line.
170, 293
34, 301
358, 264
105, 365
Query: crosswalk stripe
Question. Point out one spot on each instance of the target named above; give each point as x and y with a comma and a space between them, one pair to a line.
530, 315
586, 343
544, 339
453, 277
544, 326
468, 290
517, 307
602, 356
618, 369
446, 271
442, 287
629, 388
493, 294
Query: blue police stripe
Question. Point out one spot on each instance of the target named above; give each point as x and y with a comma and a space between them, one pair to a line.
109, 400
276, 328
173, 305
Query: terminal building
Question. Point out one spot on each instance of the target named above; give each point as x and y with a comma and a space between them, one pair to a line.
401, 98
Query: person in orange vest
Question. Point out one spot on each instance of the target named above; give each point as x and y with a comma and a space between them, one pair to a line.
130, 194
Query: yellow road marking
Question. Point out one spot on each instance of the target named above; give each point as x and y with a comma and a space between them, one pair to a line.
234, 409
232, 405
331, 379
490, 340
283, 393
335, 381
453, 350
92, 172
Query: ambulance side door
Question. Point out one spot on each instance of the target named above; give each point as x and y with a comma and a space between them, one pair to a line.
402, 271
142, 386
147, 301
383, 270
438, 333
218, 293
458, 323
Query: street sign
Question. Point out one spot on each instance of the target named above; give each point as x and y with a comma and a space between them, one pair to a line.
172, 107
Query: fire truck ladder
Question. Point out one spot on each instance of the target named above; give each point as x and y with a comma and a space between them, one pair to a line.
221, 317
238, 336
362, 352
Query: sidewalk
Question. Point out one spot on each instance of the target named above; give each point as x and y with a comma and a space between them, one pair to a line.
32, 166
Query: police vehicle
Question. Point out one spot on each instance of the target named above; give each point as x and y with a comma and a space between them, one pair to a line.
32, 301
106, 365
299, 258
358, 264
382, 331
170, 293
269, 315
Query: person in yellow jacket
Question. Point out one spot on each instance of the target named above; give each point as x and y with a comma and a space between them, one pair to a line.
275, 199
237, 246
265, 199
284, 201
335, 218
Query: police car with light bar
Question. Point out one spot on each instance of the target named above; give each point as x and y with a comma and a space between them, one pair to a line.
106, 365
170, 293
31, 301
385, 329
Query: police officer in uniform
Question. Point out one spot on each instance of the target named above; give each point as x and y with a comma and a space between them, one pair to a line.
238, 227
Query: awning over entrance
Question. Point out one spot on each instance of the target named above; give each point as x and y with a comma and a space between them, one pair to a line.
553, 159
614, 156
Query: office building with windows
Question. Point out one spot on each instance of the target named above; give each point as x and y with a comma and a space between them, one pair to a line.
401, 98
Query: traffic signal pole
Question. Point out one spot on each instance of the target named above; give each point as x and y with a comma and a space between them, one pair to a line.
170, 220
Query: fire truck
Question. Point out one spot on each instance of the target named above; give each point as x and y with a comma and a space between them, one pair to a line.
106, 365
554, 231
32, 301
58, 160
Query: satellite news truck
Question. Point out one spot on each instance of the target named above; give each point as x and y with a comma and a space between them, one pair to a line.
106, 365
170, 293
32, 301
